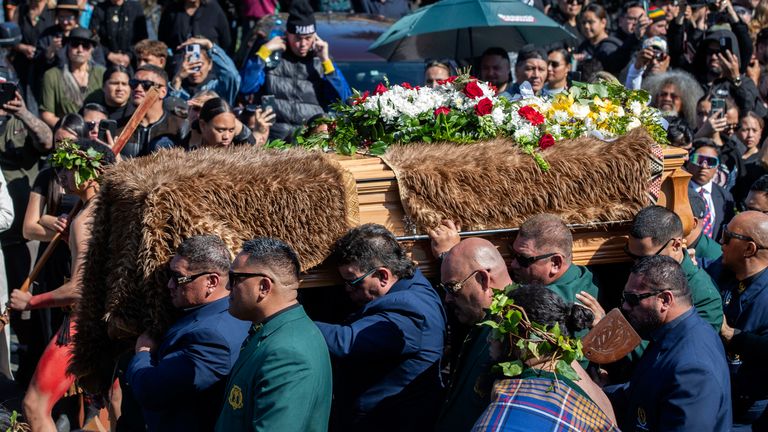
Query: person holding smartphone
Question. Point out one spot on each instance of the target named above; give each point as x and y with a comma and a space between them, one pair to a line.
304, 83
205, 67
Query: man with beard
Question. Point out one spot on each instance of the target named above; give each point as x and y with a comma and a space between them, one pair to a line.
681, 382
304, 82
495, 69
742, 277
543, 252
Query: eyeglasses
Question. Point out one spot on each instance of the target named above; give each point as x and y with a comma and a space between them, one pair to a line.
525, 262
91, 125
354, 283
574, 2
180, 279
637, 257
145, 84
234, 276
731, 128
669, 95
80, 43
728, 235
633, 299
451, 287
699, 160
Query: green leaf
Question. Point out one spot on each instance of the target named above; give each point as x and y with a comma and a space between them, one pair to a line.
512, 369
489, 323
566, 370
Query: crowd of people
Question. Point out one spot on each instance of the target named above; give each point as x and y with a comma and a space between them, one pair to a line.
245, 354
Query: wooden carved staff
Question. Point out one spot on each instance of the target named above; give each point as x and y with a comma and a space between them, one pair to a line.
151, 97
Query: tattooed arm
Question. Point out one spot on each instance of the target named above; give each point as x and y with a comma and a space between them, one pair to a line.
42, 137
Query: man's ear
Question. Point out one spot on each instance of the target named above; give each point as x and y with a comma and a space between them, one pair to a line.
384, 275
265, 287
558, 261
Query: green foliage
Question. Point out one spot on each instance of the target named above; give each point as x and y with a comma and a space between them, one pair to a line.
525, 340
85, 164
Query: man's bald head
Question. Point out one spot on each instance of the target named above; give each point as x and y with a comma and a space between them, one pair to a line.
477, 253
744, 243
753, 224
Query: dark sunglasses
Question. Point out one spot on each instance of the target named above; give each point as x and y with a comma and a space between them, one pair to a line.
525, 262
180, 279
574, 2
633, 299
452, 287
145, 84
80, 43
91, 125
234, 276
637, 257
728, 235
700, 160
731, 128
355, 282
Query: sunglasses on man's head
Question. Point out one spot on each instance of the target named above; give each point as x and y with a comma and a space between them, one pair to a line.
145, 84
700, 160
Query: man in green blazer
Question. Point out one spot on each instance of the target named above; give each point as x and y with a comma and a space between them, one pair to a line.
282, 379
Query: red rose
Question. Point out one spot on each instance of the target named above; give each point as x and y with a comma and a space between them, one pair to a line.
473, 90
531, 115
381, 88
406, 86
484, 107
362, 98
546, 141
442, 110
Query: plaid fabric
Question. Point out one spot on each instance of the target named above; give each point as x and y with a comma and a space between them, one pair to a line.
540, 404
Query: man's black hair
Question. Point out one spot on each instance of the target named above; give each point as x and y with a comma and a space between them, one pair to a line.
658, 223
705, 142
530, 52
760, 185
543, 306
662, 273
273, 253
496, 51
369, 246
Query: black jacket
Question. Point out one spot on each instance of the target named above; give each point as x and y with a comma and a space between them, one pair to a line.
119, 27
209, 21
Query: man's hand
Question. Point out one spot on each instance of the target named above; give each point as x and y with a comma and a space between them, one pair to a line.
644, 58
753, 70
15, 105
19, 300
27, 51
187, 68
119, 59
204, 43
592, 304
642, 26
277, 43
727, 332
730, 65
145, 343
61, 223
444, 237
321, 49
261, 120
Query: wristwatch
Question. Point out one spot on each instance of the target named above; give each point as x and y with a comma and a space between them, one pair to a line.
737, 81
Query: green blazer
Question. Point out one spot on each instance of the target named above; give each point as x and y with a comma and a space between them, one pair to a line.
704, 293
573, 281
282, 378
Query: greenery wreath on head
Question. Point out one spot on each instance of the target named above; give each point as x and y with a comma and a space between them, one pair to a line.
86, 164
529, 340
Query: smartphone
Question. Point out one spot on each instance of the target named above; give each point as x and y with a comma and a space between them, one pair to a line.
251, 108
725, 45
7, 92
718, 107
107, 125
193, 54
268, 101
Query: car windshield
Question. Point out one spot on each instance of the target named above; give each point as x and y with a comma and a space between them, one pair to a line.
366, 75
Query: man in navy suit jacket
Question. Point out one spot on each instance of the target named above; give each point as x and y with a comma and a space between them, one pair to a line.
703, 165
180, 382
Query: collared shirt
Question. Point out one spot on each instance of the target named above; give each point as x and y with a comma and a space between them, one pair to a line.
707, 194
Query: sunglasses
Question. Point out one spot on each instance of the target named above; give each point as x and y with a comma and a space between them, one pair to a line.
91, 125
728, 235
80, 43
574, 2
237, 277
637, 257
731, 128
699, 160
525, 262
145, 84
180, 279
633, 299
452, 287
355, 282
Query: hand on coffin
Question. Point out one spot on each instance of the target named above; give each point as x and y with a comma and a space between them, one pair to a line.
592, 304
444, 237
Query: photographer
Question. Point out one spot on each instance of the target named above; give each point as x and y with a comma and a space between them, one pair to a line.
304, 83
205, 67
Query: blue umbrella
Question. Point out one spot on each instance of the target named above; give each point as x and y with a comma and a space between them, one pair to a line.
465, 28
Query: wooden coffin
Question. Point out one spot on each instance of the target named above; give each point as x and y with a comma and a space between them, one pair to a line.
379, 201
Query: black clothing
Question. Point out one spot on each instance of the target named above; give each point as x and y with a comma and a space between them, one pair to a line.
208, 20
296, 83
26, 68
120, 114
119, 27
612, 53
164, 133
561, 19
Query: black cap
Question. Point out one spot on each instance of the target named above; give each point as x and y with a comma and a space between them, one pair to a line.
301, 18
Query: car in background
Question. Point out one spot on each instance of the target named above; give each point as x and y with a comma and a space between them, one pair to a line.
349, 36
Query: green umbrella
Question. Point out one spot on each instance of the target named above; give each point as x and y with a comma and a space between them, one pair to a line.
465, 28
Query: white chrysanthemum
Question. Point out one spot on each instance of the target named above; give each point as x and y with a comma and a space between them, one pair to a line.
524, 133
633, 124
498, 116
556, 131
580, 111
636, 108
561, 116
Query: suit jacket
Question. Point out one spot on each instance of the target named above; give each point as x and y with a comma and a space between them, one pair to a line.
180, 385
724, 207
282, 380
387, 360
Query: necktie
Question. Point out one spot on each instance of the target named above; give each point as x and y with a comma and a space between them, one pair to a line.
707, 221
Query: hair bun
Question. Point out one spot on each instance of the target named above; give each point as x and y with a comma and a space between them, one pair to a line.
579, 318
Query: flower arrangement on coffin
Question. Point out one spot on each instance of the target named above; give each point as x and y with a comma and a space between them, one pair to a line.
463, 109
